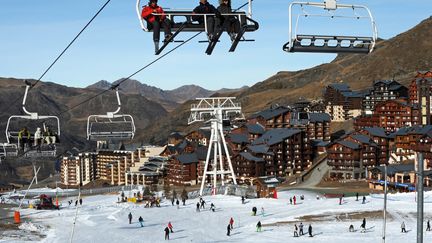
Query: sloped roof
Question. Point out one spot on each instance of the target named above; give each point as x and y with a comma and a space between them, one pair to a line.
349, 144
271, 112
276, 135
363, 139
393, 169
376, 131
320, 143
188, 158
258, 149
319, 117
250, 157
201, 152
353, 94
255, 128
421, 130
239, 138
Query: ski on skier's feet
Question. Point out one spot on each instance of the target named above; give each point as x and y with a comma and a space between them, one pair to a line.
237, 39
170, 39
213, 41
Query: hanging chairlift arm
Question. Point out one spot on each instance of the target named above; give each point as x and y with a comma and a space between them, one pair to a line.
330, 5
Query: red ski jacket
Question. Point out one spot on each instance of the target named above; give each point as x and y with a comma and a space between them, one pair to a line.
147, 13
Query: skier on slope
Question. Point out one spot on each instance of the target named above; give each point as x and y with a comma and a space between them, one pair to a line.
228, 229
231, 223
141, 221
130, 218
166, 233
310, 230
212, 207
198, 207
294, 200
170, 227
254, 211
363, 225
295, 231
258, 226
403, 230
301, 229
178, 203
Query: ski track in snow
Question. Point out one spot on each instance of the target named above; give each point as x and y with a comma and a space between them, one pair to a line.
102, 219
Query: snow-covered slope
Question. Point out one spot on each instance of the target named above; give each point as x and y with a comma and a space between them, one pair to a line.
102, 219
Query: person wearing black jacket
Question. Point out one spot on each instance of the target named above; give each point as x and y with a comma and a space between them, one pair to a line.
167, 231
229, 23
205, 7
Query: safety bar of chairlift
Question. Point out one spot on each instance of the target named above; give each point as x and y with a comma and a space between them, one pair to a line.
170, 15
31, 118
89, 133
323, 5
138, 12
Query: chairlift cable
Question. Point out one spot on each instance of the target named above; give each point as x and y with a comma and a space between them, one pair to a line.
133, 74
124, 79
146, 66
61, 54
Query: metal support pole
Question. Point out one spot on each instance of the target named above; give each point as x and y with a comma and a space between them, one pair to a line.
215, 152
204, 176
420, 168
385, 204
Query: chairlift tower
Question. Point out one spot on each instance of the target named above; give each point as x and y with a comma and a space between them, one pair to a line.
215, 110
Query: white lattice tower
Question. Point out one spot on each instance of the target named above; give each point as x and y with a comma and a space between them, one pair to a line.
215, 110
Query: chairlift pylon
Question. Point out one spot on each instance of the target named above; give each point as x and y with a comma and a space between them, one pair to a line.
186, 24
300, 42
112, 126
46, 147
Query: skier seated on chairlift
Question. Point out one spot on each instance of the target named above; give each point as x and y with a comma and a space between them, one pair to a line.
229, 23
205, 7
38, 139
155, 17
49, 136
24, 137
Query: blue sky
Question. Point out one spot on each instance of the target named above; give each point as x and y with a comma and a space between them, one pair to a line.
33, 33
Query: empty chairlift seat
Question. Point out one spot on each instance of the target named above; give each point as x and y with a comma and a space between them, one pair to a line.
101, 128
331, 43
111, 126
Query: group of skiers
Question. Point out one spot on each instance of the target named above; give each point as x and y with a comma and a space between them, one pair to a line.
298, 231
76, 202
47, 136
201, 205
293, 200
214, 22
175, 200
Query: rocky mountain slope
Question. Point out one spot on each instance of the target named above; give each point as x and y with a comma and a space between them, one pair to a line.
399, 57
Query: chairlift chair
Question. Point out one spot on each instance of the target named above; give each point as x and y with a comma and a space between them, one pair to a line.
181, 21
330, 43
112, 126
31, 120
8, 150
